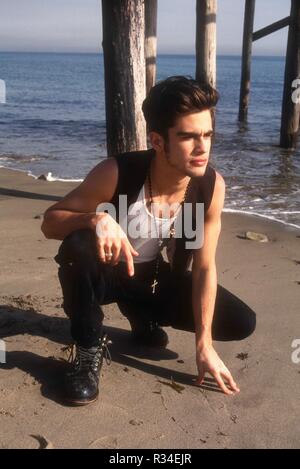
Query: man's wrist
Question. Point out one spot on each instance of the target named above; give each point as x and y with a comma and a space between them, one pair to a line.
204, 338
93, 219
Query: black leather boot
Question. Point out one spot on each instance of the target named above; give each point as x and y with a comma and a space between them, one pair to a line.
82, 382
148, 333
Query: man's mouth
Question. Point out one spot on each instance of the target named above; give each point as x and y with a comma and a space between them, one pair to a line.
198, 162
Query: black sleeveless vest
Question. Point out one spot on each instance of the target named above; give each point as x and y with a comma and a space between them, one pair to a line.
133, 169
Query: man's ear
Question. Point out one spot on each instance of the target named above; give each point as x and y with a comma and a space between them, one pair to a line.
157, 141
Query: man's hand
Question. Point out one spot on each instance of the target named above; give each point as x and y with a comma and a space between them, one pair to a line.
111, 241
209, 361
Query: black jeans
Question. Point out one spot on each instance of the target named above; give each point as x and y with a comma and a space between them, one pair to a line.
87, 284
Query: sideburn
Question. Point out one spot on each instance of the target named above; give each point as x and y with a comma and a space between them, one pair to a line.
166, 147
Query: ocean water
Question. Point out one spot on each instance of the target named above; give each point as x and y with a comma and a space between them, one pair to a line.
54, 121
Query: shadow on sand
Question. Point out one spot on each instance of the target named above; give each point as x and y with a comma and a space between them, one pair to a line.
49, 371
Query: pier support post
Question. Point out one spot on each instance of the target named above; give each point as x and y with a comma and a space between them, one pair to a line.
206, 13
246, 59
125, 74
150, 42
290, 107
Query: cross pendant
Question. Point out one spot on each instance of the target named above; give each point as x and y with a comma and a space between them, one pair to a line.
154, 285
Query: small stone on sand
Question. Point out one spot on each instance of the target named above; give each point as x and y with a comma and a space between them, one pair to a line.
261, 238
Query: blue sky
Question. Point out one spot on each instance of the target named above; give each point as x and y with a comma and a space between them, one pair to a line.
76, 26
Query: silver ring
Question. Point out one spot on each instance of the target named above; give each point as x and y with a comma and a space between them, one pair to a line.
108, 254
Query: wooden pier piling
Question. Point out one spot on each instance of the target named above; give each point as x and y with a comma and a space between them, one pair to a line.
206, 13
290, 109
125, 74
150, 42
246, 59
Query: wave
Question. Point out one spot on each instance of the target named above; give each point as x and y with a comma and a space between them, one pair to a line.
267, 217
20, 158
49, 176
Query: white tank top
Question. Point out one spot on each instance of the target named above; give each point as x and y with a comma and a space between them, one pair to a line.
144, 230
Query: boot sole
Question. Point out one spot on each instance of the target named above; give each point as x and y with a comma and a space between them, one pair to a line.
76, 403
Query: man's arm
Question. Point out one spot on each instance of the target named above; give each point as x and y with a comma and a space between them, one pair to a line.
77, 210
204, 281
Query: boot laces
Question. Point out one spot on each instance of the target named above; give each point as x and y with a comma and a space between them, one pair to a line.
87, 358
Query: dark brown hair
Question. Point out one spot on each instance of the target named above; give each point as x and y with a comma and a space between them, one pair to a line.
173, 97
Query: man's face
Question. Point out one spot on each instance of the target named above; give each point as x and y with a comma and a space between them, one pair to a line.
189, 143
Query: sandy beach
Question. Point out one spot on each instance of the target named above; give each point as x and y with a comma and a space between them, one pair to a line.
137, 407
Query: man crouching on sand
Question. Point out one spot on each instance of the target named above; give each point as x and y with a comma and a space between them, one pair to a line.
101, 261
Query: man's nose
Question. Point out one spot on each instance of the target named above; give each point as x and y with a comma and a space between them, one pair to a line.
200, 145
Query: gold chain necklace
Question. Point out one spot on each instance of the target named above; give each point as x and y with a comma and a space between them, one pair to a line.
162, 242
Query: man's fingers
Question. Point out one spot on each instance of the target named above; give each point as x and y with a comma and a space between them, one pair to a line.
101, 251
220, 382
108, 251
133, 251
199, 379
228, 377
129, 259
116, 248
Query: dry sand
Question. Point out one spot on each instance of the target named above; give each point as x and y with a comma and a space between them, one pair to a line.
136, 409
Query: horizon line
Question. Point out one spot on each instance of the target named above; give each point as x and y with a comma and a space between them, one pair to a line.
189, 54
